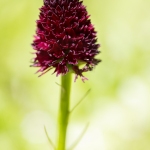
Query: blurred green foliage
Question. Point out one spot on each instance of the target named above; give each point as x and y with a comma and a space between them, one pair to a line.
118, 106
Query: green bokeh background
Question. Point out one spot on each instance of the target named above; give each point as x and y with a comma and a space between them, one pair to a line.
118, 106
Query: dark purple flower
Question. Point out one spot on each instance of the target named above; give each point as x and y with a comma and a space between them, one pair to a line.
65, 38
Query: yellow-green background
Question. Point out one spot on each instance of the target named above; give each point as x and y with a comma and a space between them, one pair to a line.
118, 106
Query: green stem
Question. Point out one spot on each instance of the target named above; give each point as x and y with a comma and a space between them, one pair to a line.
64, 111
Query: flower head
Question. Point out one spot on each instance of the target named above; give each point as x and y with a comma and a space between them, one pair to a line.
65, 38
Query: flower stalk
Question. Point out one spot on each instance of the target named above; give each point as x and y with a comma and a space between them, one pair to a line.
63, 115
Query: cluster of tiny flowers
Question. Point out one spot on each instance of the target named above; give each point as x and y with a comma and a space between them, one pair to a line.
65, 39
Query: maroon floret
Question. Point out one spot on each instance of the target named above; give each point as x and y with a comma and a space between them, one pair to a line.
65, 38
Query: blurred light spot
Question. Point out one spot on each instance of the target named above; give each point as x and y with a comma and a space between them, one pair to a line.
135, 94
92, 139
33, 127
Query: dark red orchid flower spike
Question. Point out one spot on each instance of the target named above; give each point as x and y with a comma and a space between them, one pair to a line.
65, 39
